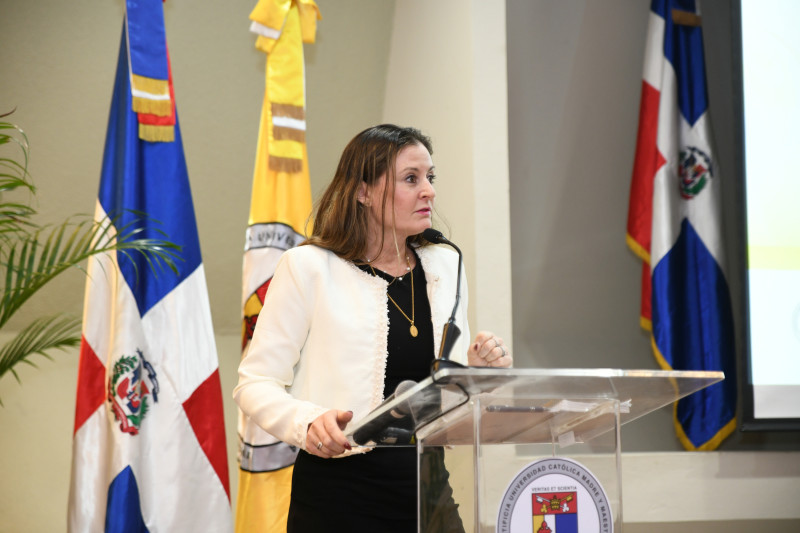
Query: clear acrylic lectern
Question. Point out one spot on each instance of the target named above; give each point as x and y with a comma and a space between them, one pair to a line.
487, 424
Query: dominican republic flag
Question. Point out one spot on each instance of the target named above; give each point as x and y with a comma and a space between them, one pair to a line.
674, 223
149, 449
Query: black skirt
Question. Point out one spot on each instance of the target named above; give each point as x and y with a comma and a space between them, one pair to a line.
371, 492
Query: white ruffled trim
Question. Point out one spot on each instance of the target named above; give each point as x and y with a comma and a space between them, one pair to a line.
381, 341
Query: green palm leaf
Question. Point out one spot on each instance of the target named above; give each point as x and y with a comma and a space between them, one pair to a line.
31, 256
34, 259
39, 337
14, 216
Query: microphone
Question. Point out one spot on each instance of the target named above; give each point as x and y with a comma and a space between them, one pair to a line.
450, 332
384, 428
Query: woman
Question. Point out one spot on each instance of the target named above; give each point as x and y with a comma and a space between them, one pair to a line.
347, 317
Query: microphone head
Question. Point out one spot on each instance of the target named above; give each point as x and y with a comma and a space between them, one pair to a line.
434, 236
403, 409
404, 386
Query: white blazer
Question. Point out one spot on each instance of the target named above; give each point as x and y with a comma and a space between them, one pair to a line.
320, 342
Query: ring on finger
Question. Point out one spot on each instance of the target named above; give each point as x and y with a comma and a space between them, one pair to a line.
496, 342
319, 445
505, 353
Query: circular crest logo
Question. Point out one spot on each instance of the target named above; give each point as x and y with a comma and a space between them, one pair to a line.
694, 170
132, 383
555, 494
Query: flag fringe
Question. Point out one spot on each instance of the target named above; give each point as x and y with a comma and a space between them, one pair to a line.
288, 134
662, 362
288, 110
153, 133
161, 108
152, 86
285, 164
686, 18
637, 248
711, 444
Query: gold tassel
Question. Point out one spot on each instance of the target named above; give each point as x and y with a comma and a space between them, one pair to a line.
161, 108
686, 18
288, 111
153, 133
285, 164
150, 85
288, 134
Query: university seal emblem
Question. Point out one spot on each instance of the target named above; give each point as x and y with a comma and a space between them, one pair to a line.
132, 385
694, 170
552, 495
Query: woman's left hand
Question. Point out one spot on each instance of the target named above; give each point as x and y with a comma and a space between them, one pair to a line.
489, 350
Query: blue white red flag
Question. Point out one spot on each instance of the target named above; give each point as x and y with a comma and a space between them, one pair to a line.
674, 223
149, 451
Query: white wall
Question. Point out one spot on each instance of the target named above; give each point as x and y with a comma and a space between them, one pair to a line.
447, 76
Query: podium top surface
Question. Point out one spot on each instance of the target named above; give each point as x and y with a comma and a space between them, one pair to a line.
586, 379
524, 405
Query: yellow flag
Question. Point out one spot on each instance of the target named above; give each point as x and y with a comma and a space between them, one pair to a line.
280, 208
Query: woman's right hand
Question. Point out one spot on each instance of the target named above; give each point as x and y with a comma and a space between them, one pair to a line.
325, 437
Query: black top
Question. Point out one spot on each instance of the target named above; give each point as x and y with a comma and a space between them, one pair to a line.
409, 357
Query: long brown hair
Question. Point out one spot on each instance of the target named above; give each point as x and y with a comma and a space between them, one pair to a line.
340, 223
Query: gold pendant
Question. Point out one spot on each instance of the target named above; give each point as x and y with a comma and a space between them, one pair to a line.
413, 330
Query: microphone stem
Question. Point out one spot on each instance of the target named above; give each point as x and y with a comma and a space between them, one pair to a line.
458, 281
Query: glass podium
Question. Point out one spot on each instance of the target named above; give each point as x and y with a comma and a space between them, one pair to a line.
477, 429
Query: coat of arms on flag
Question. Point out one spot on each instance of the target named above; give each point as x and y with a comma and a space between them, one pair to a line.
133, 384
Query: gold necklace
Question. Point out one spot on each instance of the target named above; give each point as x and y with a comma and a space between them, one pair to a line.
394, 278
413, 328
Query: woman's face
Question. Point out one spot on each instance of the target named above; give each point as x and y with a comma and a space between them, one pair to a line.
413, 196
